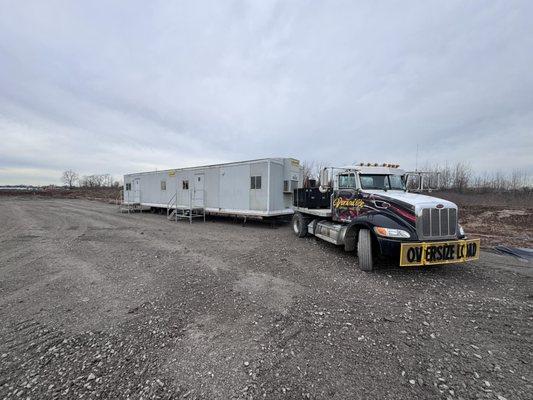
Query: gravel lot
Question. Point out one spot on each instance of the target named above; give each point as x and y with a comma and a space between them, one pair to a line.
98, 304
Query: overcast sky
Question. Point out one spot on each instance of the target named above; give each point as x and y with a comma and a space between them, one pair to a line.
117, 87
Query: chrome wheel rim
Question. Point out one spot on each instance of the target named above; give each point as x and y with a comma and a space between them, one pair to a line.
296, 226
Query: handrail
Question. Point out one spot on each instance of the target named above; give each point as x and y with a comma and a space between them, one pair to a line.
172, 200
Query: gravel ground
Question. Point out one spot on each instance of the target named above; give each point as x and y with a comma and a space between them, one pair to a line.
98, 304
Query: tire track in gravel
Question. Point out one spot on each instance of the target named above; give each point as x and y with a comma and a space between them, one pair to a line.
54, 259
30, 335
159, 225
11, 222
54, 228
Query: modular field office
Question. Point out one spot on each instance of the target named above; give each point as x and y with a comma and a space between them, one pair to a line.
261, 188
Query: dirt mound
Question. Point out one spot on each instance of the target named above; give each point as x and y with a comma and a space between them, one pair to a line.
499, 225
107, 194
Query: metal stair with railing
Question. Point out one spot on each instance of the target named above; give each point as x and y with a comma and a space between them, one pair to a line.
194, 209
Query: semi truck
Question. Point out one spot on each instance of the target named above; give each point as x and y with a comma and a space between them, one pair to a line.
367, 209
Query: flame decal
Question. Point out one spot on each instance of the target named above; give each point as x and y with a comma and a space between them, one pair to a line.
404, 214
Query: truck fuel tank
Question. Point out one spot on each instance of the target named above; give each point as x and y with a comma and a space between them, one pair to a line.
328, 231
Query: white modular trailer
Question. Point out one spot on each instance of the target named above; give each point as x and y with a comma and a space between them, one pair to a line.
261, 188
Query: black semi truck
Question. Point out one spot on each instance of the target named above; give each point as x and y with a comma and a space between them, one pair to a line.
367, 209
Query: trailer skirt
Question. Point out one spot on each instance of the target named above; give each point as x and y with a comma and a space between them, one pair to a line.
228, 211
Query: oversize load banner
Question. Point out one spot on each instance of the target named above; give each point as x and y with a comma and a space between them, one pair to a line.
439, 252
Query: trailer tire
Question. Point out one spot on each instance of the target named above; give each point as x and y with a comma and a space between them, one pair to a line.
299, 225
364, 250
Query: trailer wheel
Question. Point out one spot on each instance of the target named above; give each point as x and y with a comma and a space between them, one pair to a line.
299, 225
364, 250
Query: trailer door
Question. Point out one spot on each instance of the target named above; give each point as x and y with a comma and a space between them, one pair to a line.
198, 198
137, 190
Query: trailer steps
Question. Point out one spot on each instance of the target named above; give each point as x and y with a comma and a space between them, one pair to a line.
187, 213
190, 211
172, 215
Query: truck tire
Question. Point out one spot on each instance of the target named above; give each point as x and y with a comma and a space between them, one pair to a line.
299, 225
364, 251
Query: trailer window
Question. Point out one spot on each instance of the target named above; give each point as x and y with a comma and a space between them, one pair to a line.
128, 186
163, 185
255, 182
185, 185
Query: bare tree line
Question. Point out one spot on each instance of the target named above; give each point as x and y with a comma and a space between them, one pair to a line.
71, 179
462, 177
458, 176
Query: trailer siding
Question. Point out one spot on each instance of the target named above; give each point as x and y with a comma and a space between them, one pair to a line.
212, 180
276, 186
234, 194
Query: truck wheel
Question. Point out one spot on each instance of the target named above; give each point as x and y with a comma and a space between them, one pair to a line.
299, 225
364, 251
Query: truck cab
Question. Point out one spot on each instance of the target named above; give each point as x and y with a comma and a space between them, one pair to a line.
368, 209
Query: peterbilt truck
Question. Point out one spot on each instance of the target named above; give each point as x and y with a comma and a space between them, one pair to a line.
367, 209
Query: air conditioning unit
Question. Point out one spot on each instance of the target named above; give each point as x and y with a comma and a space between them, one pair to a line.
289, 186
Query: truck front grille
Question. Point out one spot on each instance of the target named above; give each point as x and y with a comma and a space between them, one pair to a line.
437, 223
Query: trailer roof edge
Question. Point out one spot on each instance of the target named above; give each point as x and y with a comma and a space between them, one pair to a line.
272, 159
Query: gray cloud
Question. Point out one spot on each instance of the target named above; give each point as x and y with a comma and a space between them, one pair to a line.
130, 86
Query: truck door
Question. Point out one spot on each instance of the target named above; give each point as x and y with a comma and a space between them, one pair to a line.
347, 202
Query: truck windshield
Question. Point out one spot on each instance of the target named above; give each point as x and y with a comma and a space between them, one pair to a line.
382, 182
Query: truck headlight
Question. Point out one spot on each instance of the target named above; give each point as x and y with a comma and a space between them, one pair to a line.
388, 232
461, 231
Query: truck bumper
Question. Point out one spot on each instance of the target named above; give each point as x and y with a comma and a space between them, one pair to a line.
389, 248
